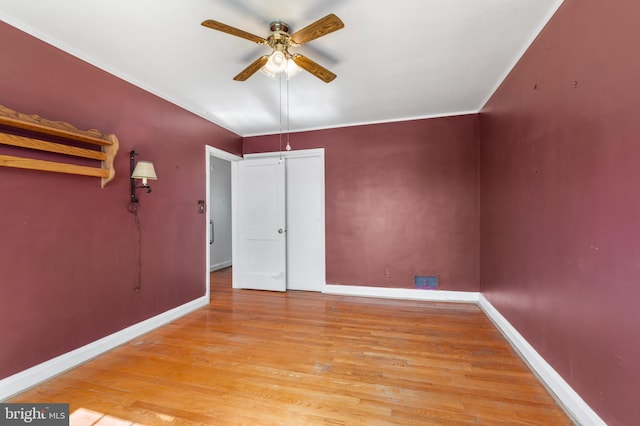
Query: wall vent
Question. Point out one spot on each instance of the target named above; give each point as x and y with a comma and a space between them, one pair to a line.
428, 282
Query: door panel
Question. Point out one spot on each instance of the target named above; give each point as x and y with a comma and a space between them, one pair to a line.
305, 223
260, 221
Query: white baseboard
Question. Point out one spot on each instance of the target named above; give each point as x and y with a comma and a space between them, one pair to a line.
572, 402
220, 265
23, 380
403, 293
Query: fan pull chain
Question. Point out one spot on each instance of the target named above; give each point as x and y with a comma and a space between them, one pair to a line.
280, 115
288, 147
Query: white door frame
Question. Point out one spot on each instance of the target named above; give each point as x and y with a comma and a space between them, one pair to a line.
224, 155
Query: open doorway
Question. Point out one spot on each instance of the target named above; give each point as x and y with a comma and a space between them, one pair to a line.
219, 234
303, 229
220, 214
221, 282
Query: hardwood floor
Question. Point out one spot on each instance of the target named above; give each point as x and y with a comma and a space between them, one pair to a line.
300, 358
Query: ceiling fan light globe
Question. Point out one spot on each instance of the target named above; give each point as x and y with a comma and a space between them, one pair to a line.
268, 72
292, 68
277, 62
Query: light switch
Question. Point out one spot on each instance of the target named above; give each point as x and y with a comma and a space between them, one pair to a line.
201, 206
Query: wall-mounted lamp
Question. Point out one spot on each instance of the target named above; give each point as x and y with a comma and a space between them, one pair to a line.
143, 170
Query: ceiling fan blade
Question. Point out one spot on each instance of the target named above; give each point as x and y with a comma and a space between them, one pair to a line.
323, 26
318, 70
219, 26
252, 69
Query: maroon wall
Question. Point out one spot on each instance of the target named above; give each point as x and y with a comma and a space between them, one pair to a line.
560, 151
398, 196
68, 248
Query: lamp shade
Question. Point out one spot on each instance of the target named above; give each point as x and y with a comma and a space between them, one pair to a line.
144, 170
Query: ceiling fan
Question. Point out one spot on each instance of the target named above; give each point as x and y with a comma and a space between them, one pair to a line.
280, 41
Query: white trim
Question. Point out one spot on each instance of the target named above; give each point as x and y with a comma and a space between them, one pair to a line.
234, 220
23, 380
566, 396
403, 293
220, 265
207, 218
314, 152
372, 122
572, 402
569, 399
224, 155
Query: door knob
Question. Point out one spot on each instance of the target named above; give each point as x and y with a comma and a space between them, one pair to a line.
280, 231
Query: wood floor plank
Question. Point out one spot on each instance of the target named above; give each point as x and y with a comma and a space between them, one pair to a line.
303, 358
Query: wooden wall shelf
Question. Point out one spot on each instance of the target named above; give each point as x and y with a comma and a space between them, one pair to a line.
35, 124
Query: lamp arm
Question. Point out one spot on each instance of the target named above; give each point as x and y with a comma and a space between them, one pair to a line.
132, 155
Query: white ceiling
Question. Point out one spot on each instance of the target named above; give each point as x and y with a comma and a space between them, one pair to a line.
395, 60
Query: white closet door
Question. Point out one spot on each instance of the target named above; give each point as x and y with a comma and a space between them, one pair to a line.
260, 223
305, 221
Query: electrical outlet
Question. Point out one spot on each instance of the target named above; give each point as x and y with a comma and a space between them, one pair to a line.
387, 273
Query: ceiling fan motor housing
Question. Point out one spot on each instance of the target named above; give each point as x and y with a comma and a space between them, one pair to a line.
279, 39
279, 26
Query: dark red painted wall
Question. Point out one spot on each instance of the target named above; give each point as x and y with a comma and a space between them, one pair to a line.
398, 196
68, 248
560, 156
